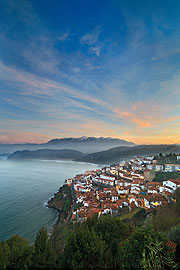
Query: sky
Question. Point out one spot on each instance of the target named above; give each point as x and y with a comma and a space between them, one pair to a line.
71, 68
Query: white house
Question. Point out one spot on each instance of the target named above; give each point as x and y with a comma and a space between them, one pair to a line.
172, 167
172, 183
156, 167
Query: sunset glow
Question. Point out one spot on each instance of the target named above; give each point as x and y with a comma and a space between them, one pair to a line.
93, 68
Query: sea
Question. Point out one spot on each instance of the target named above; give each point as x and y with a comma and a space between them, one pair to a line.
25, 187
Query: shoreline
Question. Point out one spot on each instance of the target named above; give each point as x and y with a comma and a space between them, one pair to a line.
58, 202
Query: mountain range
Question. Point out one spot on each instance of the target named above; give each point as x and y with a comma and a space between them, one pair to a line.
83, 144
117, 154
48, 154
113, 155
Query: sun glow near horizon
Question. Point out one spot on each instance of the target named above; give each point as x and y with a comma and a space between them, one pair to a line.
109, 70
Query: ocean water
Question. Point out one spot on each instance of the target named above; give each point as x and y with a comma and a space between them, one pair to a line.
25, 187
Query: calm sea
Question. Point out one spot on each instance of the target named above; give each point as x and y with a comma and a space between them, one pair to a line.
25, 186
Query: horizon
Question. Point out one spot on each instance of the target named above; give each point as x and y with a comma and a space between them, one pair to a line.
101, 68
178, 143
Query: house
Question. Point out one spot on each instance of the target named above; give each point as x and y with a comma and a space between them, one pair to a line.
156, 167
105, 211
172, 183
135, 191
166, 188
152, 190
80, 188
114, 196
69, 182
106, 179
153, 200
123, 191
114, 209
133, 199
178, 157
147, 161
172, 167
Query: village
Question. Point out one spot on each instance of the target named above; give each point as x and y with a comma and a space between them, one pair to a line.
122, 187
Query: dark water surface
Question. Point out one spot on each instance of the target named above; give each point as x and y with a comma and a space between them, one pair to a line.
25, 186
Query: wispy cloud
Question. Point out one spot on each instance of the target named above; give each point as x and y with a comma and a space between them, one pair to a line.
92, 41
92, 37
64, 36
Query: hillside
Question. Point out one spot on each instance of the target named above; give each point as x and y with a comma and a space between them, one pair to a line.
119, 153
46, 154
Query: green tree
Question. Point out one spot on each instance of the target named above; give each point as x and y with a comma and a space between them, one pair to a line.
19, 253
43, 256
134, 250
4, 255
174, 236
110, 229
177, 199
156, 256
83, 250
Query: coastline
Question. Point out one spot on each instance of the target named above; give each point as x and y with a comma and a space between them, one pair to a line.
62, 202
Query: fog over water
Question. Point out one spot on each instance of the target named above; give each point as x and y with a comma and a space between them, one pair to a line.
25, 186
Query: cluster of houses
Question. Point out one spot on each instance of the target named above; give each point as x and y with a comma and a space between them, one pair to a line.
115, 188
141, 163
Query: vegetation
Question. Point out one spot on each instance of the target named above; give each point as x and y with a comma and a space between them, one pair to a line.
167, 159
62, 201
116, 154
102, 243
163, 176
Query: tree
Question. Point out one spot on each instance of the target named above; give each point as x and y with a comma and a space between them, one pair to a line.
4, 255
155, 256
112, 231
83, 250
19, 253
135, 252
43, 255
177, 199
174, 236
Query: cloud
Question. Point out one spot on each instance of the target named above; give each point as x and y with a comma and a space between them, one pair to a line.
92, 37
97, 50
33, 85
92, 41
14, 136
64, 36
132, 118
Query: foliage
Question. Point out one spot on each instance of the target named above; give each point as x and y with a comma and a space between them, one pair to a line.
156, 257
165, 218
177, 198
83, 250
163, 176
19, 253
4, 255
174, 236
43, 255
139, 251
99, 243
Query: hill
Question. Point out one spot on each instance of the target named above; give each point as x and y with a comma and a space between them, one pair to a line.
46, 154
83, 144
117, 154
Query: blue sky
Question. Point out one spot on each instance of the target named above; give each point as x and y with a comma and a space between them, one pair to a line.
90, 67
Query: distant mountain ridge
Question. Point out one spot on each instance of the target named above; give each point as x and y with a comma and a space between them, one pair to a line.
83, 144
46, 154
117, 154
